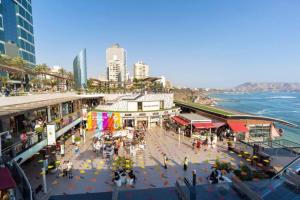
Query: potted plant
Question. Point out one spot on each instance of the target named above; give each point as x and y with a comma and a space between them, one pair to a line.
53, 167
39, 132
230, 145
77, 140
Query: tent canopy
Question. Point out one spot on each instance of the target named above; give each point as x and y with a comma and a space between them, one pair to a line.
207, 125
7, 181
238, 126
180, 121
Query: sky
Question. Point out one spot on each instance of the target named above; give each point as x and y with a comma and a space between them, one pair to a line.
194, 43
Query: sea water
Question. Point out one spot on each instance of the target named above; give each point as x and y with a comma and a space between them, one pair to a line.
282, 105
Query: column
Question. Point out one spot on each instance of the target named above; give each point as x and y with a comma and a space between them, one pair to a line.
60, 110
149, 122
49, 114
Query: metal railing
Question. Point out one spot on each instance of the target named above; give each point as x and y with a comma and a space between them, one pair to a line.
19, 147
20, 178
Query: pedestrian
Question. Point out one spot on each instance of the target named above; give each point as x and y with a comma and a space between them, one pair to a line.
69, 169
76, 149
98, 147
185, 163
65, 168
165, 161
73, 138
193, 144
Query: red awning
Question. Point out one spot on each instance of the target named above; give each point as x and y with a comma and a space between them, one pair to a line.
207, 125
238, 127
7, 181
180, 121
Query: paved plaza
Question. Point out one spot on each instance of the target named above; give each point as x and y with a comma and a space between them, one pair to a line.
94, 174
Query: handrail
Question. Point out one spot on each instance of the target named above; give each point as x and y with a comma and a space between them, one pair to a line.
287, 166
9, 148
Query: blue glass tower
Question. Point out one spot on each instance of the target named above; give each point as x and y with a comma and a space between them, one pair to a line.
79, 70
16, 28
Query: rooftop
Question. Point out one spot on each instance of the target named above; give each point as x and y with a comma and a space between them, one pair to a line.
194, 117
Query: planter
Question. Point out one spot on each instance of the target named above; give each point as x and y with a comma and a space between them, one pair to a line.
53, 171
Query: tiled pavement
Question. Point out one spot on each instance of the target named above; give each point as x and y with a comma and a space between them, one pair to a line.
93, 174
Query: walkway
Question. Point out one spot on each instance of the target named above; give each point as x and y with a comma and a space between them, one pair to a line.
93, 174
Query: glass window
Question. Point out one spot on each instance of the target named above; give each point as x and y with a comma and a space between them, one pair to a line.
259, 131
1, 22
2, 49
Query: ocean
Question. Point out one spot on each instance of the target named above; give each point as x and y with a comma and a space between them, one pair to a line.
282, 105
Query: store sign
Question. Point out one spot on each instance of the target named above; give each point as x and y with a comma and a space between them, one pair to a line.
84, 114
151, 105
51, 134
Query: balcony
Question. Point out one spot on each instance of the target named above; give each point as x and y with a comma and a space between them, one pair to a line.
37, 140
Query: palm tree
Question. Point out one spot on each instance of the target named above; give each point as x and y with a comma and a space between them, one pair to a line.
42, 69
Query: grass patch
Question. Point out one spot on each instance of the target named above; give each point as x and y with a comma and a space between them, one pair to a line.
207, 108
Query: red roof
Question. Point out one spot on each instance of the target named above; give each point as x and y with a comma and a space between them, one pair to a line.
238, 126
206, 125
7, 181
180, 121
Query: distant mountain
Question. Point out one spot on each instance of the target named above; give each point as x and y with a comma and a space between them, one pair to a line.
267, 86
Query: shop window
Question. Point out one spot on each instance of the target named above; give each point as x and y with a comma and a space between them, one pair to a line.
259, 131
140, 106
162, 105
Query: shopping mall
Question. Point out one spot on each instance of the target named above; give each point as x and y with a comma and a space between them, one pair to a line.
31, 126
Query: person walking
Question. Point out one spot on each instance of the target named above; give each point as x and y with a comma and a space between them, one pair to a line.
73, 138
193, 144
185, 163
165, 161
69, 169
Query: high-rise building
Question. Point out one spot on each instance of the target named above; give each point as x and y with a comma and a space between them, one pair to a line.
80, 70
116, 63
16, 29
140, 70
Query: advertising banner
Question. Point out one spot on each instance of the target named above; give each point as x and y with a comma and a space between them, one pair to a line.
89, 121
105, 120
84, 114
111, 127
51, 134
117, 121
151, 105
99, 121
94, 120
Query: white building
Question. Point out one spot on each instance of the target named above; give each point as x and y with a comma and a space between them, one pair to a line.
138, 110
140, 70
116, 63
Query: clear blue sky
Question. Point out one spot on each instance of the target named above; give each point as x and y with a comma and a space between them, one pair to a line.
196, 43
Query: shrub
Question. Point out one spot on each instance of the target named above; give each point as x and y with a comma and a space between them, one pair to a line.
223, 165
77, 139
259, 175
39, 130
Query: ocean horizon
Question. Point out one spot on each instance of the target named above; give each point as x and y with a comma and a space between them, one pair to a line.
282, 105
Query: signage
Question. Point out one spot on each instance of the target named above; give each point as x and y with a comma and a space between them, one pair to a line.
51, 134
84, 114
151, 105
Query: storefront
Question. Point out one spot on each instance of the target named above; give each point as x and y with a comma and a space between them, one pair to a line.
138, 120
142, 123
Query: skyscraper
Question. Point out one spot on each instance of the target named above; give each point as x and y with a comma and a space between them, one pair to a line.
140, 70
80, 70
116, 63
16, 29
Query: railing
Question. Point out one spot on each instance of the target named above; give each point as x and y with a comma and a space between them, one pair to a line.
19, 146
66, 120
22, 182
